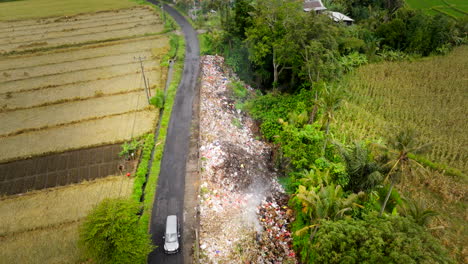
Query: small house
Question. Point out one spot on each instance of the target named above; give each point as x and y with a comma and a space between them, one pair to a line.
339, 17
314, 5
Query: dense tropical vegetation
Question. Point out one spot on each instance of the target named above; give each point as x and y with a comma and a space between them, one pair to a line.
347, 189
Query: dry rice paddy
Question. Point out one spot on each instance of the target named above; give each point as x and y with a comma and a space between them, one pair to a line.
42, 226
60, 99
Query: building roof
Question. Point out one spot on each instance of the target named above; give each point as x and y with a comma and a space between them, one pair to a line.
315, 5
338, 17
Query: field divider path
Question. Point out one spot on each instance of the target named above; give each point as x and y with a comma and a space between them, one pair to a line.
89, 17
75, 38
76, 136
10, 94
66, 27
99, 73
38, 47
39, 118
82, 52
73, 66
8, 70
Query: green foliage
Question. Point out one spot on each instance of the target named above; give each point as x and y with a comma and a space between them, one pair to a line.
392, 239
418, 211
352, 61
324, 202
150, 187
239, 91
110, 233
142, 170
416, 32
364, 172
129, 149
300, 147
158, 99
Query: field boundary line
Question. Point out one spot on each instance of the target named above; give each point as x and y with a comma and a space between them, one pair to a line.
103, 143
84, 120
42, 228
68, 61
51, 86
80, 44
68, 100
74, 15
81, 22
82, 47
131, 62
76, 35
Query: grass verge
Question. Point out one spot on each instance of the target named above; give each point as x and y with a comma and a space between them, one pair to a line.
150, 188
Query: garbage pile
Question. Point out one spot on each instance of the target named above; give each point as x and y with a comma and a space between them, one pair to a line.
243, 210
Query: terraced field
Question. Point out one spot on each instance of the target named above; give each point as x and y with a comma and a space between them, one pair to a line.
33, 231
452, 8
88, 93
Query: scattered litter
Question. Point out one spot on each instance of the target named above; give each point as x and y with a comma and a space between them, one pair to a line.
244, 216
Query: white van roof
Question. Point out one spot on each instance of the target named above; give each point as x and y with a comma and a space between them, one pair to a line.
171, 224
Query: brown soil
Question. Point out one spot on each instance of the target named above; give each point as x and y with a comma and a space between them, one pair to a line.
61, 169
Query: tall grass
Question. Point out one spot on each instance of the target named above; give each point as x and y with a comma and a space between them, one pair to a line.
430, 96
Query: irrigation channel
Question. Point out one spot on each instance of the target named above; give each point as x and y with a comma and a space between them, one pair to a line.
170, 190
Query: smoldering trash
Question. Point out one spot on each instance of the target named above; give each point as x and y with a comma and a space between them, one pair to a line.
244, 217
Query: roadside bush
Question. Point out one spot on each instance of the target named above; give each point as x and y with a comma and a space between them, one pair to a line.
158, 99
111, 233
130, 148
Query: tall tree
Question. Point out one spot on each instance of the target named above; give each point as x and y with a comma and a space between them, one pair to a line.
267, 38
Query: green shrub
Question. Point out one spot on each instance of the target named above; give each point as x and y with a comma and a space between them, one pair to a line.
110, 233
392, 239
158, 99
130, 148
142, 170
238, 90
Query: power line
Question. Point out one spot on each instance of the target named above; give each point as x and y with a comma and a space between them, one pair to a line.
144, 77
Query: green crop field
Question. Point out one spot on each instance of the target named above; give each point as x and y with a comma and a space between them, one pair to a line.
25, 9
452, 8
428, 95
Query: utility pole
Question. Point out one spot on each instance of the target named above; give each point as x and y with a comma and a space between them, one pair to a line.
144, 77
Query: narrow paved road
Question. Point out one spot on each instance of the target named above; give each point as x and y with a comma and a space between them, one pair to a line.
170, 190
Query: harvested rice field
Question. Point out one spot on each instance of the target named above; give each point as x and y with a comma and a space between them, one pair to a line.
84, 86
33, 231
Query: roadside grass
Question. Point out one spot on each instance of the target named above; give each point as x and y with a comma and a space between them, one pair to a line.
26, 9
150, 188
428, 95
42, 226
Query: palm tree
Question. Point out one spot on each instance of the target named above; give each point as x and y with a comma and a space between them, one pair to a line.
332, 98
418, 211
398, 162
364, 172
324, 202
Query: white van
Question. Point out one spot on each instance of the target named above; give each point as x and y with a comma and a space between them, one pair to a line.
171, 237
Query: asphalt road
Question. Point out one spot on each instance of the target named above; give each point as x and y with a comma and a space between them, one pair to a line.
170, 190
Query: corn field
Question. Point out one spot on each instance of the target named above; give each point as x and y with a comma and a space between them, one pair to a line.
431, 96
